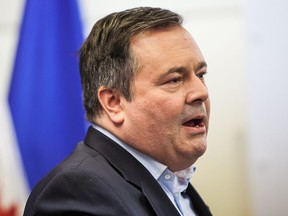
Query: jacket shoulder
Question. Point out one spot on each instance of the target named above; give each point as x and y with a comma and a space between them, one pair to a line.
78, 184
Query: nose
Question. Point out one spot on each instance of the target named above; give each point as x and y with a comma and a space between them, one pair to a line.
197, 91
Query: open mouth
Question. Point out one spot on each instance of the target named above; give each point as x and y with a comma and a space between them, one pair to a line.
195, 122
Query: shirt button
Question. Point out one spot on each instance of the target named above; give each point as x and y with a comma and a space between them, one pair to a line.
167, 176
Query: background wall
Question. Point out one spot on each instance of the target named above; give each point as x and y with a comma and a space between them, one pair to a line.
244, 171
267, 76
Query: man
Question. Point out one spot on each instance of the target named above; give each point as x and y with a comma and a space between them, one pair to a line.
144, 91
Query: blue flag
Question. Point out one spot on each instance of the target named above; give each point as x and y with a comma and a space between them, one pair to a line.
45, 91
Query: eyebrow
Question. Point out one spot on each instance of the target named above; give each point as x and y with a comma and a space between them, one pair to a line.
201, 65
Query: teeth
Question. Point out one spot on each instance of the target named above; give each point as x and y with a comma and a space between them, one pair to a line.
194, 123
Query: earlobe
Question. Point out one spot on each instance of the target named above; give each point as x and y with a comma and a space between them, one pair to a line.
111, 103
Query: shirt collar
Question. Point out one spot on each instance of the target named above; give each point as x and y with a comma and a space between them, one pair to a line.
154, 167
175, 182
183, 178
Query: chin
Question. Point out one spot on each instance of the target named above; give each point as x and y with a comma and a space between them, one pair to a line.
190, 157
199, 149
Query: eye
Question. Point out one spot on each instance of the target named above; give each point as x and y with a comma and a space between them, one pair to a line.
175, 80
201, 75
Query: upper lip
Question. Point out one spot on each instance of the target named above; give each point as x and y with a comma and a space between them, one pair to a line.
201, 118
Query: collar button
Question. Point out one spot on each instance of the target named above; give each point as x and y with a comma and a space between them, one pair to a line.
167, 176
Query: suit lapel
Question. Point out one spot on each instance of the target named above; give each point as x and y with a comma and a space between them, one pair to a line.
157, 197
199, 206
132, 170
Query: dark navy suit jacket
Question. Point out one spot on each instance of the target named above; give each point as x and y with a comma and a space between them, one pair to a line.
101, 178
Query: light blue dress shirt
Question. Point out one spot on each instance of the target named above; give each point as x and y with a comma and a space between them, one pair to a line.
172, 183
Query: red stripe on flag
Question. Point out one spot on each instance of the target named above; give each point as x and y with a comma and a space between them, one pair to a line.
10, 211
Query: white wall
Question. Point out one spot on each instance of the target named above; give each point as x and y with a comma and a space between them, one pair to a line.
9, 19
13, 187
267, 77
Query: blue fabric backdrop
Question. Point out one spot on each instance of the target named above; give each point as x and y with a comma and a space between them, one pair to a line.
45, 92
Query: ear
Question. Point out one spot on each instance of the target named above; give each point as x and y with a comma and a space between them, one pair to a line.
111, 104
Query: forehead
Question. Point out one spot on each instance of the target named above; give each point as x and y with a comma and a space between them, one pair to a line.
173, 44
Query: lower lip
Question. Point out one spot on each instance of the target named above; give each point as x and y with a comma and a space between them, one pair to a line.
195, 130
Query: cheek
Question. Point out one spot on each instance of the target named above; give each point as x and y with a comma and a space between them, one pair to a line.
164, 108
157, 108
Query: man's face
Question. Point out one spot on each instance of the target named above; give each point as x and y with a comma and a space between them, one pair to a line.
168, 115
